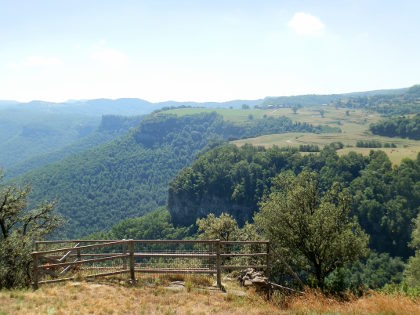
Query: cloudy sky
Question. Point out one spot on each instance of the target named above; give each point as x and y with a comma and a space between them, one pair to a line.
204, 50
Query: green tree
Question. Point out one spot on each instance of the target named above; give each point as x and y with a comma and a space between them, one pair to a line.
412, 272
20, 227
223, 227
311, 230
152, 226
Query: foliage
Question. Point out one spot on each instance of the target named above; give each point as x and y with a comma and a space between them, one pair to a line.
368, 144
19, 228
27, 132
129, 176
377, 271
110, 128
412, 272
309, 148
398, 102
301, 222
152, 226
233, 180
386, 199
223, 227
404, 127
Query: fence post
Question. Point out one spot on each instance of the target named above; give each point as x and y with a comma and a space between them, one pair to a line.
267, 271
35, 270
124, 251
268, 261
218, 265
132, 275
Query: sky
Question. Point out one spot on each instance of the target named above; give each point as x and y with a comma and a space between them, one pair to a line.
56, 50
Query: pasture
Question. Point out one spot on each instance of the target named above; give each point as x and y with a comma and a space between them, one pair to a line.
354, 125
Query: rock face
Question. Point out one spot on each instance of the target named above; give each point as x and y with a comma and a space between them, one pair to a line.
251, 277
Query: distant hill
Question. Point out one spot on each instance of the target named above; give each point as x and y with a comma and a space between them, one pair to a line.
129, 176
28, 130
319, 99
388, 102
110, 128
26, 133
122, 106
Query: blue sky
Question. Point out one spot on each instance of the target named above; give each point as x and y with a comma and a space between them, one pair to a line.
204, 50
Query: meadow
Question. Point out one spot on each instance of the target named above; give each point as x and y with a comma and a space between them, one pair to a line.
354, 125
155, 298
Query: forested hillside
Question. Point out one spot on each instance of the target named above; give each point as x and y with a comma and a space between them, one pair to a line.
233, 180
388, 102
129, 176
111, 127
404, 127
26, 133
317, 99
404, 103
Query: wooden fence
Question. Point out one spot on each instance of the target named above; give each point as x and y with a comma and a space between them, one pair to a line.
56, 261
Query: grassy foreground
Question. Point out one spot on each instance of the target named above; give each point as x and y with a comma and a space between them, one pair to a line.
108, 298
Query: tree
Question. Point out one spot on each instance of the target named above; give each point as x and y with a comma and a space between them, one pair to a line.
152, 226
412, 272
20, 227
322, 113
295, 109
310, 229
223, 227
245, 106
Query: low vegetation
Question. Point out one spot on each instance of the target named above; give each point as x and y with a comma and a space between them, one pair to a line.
108, 298
404, 127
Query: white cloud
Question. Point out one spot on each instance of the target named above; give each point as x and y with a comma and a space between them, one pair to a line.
110, 57
306, 24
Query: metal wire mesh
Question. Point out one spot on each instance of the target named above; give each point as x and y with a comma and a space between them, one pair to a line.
63, 260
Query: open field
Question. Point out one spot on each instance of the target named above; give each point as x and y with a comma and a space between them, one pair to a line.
354, 127
333, 117
108, 298
396, 155
405, 148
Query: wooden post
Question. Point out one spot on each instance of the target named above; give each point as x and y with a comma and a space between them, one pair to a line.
132, 274
124, 251
267, 271
35, 270
218, 265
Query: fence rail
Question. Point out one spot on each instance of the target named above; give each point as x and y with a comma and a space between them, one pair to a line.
52, 260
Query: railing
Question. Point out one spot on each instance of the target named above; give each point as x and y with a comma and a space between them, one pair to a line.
51, 263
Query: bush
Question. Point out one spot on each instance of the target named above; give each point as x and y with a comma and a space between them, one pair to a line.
15, 262
309, 148
19, 228
368, 144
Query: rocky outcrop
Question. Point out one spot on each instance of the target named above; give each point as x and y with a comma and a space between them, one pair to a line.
250, 277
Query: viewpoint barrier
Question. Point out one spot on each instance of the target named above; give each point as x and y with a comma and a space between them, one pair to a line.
63, 260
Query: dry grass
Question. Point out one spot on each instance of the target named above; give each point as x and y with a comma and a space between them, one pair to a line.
374, 303
89, 298
108, 298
